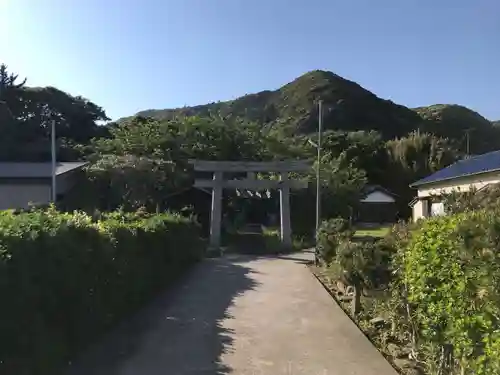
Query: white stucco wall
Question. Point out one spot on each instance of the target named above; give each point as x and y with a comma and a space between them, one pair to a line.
378, 197
20, 195
420, 210
459, 184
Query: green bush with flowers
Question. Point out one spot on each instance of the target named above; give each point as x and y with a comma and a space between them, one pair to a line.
65, 278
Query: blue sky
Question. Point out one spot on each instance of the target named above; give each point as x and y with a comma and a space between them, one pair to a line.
129, 55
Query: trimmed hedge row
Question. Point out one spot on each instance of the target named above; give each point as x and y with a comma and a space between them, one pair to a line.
66, 278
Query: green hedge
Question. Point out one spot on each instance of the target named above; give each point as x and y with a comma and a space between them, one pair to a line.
66, 278
451, 273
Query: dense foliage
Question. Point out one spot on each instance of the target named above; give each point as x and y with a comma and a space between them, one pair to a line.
27, 112
330, 235
441, 281
65, 278
352, 260
455, 121
142, 150
414, 157
450, 273
144, 163
473, 199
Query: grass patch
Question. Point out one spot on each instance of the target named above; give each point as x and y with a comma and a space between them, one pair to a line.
261, 241
377, 232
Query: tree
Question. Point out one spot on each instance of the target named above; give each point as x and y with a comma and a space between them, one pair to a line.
9, 87
414, 157
10, 108
25, 115
130, 182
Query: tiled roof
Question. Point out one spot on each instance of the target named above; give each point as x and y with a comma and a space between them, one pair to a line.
36, 170
467, 167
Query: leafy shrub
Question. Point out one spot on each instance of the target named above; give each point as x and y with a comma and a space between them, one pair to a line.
330, 235
272, 240
66, 278
475, 199
385, 249
378, 259
350, 261
366, 262
362, 263
450, 272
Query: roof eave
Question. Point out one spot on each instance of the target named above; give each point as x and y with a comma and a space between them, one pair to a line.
417, 184
380, 188
73, 169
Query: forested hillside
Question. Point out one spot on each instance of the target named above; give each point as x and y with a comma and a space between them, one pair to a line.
454, 121
141, 161
292, 109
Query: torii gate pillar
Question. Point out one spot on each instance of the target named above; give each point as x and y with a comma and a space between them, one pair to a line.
216, 213
286, 228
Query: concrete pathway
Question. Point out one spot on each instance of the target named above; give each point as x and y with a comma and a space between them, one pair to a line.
239, 315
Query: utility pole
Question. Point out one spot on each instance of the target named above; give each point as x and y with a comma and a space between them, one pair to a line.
468, 142
318, 181
53, 157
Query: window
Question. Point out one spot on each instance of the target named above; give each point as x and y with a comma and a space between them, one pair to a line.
437, 209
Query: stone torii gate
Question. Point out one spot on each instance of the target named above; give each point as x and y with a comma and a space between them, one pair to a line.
218, 183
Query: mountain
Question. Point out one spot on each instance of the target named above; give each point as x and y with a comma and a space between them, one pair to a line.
496, 123
346, 106
293, 107
455, 121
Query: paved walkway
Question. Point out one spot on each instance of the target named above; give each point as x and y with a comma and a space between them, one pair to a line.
239, 315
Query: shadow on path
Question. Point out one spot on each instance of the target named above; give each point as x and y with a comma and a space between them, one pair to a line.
296, 259
178, 334
302, 257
